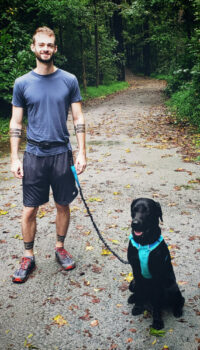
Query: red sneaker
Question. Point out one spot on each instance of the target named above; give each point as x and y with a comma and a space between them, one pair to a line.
27, 266
64, 259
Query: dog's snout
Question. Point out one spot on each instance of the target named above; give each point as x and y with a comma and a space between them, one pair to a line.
135, 222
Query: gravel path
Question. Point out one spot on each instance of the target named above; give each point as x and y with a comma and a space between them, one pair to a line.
123, 163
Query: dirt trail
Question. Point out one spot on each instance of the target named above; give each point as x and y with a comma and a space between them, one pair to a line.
124, 162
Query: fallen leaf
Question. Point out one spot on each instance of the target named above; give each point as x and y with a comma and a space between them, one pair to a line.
129, 340
87, 233
115, 241
17, 236
59, 320
90, 247
96, 269
172, 204
133, 330
94, 323
94, 199
74, 208
157, 333
85, 317
105, 252
41, 213
3, 212
96, 300
182, 283
129, 277
127, 186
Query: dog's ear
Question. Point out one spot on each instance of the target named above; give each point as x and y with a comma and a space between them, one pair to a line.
133, 204
159, 211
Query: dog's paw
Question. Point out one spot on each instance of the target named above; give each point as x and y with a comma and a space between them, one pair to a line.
137, 310
131, 299
177, 312
158, 324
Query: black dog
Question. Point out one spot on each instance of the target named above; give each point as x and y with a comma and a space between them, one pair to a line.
154, 279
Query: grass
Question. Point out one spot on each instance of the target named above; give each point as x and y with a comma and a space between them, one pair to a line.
4, 129
103, 90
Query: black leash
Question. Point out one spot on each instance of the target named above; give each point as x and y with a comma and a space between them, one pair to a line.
89, 212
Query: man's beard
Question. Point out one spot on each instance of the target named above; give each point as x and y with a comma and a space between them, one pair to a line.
49, 60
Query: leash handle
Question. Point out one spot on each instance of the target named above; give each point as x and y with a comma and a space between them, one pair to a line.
75, 175
71, 163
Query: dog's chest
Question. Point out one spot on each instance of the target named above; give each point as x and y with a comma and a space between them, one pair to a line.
143, 254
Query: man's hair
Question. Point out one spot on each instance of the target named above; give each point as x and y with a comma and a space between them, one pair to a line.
44, 30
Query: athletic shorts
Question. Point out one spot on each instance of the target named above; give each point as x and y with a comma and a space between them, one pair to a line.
41, 173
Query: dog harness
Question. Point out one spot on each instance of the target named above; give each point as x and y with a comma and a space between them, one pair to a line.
143, 253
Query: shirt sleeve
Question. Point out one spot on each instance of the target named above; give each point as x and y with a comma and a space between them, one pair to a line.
18, 97
75, 91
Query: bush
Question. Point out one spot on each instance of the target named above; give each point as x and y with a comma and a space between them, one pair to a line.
186, 104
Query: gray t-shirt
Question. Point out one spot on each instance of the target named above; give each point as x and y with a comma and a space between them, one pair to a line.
47, 99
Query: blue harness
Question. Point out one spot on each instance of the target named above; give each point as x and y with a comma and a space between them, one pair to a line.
143, 253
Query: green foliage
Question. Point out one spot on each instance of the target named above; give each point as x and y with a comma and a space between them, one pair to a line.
186, 104
4, 129
103, 90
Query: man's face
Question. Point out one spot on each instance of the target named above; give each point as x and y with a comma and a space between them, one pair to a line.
44, 47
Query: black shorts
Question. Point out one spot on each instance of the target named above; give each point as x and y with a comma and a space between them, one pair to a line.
41, 173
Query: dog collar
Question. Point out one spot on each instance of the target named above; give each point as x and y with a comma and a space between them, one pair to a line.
143, 253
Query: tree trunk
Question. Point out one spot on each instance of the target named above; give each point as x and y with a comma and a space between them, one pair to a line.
61, 39
118, 32
83, 62
146, 48
96, 43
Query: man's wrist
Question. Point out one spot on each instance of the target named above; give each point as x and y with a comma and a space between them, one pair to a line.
14, 157
82, 152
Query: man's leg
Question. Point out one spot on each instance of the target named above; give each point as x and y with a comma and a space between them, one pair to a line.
29, 229
27, 264
62, 224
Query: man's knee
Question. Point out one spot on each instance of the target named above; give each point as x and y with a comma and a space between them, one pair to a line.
29, 213
62, 208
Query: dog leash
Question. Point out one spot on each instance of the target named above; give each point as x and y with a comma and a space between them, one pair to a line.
89, 212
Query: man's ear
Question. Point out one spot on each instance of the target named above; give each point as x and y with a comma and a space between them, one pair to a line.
32, 47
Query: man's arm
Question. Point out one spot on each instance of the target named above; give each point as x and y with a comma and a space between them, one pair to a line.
15, 137
79, 126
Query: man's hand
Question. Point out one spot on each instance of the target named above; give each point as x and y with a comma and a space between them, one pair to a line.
80, 163
17, 168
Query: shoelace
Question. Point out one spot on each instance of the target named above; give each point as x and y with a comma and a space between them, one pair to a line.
25, 262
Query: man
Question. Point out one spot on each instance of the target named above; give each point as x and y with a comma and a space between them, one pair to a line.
47, 92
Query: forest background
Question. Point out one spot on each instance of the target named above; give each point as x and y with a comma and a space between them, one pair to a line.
98, 39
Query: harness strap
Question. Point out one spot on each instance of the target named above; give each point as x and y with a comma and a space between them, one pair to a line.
144, 252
